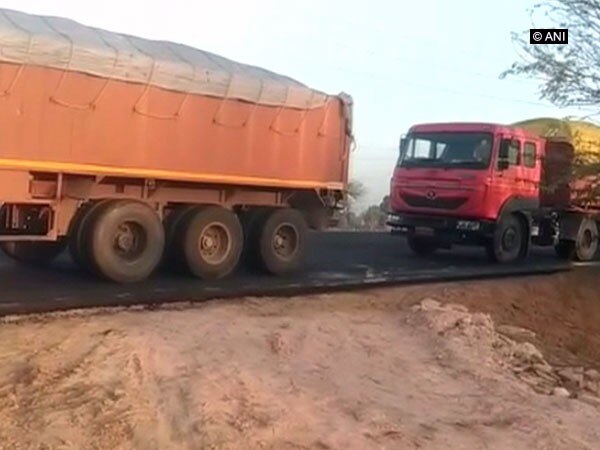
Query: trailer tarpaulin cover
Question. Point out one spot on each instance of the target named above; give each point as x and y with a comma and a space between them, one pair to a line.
584, 136
64, 44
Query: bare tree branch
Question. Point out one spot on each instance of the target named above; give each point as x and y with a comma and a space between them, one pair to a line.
570, 74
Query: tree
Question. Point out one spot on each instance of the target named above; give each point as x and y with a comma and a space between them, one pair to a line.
371, 218
353, 220
356, 190
385, 204
347, 217
375, 216
569, 74
349, 221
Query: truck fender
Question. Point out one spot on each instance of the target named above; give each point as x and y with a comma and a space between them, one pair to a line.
517, 204
521, 206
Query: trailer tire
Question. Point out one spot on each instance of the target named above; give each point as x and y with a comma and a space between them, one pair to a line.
586, 246
212, 242
173, 259
509, 238
278, 241
252, 221
125, 242
33, 253
78, 234
421, 245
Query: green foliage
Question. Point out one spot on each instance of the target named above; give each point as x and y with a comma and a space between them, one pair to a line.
372, 219
356, 190
569, 74
375, 216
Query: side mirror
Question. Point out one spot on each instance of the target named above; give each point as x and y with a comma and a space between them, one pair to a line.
402, 151
403, 142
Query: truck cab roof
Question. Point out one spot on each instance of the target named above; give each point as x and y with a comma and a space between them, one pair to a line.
465, 127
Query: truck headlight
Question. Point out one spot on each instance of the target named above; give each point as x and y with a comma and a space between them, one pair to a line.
468, 225
394, 220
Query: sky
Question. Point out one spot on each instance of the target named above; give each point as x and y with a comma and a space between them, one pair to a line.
402, 62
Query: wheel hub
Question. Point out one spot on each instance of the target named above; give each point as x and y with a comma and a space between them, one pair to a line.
208, 243
279, 241
125, 241
587, 240
214, 243
509, 239
129, 240
285, 241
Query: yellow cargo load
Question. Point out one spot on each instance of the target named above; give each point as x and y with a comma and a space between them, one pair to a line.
584, 136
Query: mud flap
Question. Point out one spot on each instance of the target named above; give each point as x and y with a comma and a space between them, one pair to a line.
569, 226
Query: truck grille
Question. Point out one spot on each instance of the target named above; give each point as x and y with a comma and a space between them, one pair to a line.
418, 201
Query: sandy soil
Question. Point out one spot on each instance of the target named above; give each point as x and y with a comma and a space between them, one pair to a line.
381, 369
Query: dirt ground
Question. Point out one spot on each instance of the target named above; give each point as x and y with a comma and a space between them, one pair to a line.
449, 366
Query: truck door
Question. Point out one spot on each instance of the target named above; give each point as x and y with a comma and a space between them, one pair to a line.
509, 174
531, 170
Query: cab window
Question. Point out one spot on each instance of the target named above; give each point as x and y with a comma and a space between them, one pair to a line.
529, 154
510, 153
421, 149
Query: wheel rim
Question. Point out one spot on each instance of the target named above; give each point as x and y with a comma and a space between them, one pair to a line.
510, 239
130, 241
285, 241
214, 243
587, 240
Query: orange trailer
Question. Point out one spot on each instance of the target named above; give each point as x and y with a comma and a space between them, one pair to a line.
131, 151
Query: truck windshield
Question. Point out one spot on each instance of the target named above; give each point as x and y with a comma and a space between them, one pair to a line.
449, 149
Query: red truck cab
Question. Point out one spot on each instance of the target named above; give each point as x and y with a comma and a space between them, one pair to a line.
469, 183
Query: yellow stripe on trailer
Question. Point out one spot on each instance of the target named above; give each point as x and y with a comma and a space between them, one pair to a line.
93, 169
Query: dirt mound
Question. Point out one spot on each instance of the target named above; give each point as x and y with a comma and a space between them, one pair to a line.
507, 347
563, 311
389, 368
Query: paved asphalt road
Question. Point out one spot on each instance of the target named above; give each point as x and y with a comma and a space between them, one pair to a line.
349, 259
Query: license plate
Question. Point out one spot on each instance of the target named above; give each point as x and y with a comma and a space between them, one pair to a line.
424, 231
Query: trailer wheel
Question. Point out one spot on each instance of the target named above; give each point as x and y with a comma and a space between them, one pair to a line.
587, 241
509, 238
278, 242
78, 234
212, 242
33, 253
173, 225
252, 222
126, 241
421, 245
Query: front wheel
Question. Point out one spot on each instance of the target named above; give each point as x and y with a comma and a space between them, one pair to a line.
509, 240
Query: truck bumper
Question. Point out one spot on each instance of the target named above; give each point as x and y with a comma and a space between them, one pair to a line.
448, 230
